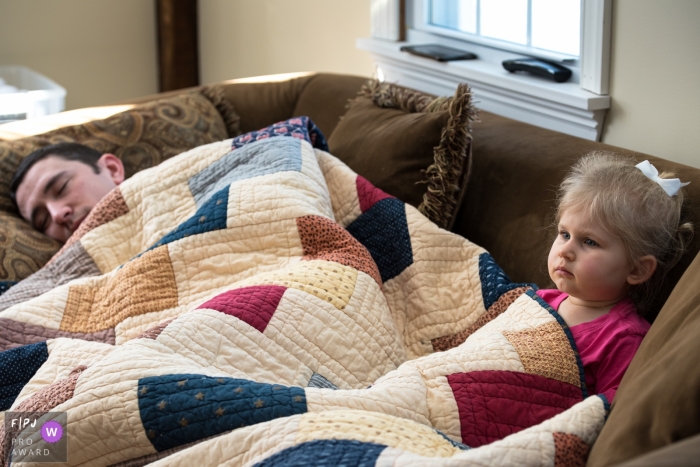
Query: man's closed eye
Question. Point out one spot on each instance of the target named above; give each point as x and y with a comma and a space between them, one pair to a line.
63, 188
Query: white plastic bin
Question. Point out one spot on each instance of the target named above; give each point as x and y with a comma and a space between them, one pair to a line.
36, 94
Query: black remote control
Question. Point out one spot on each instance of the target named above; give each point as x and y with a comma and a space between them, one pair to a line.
438, 52
538, 67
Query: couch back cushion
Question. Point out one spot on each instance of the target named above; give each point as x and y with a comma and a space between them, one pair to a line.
321, 96
263, 103
141, 137
510, 201
326, 98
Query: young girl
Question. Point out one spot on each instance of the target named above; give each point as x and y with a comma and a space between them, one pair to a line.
619, 233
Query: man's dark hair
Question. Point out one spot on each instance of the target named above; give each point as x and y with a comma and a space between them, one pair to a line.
67, 151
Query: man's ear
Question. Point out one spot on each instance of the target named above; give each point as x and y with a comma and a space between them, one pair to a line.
643, 271
114, 167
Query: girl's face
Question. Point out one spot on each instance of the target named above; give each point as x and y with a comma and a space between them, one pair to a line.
587, 262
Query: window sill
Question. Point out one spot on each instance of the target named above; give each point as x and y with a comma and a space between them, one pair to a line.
563, 107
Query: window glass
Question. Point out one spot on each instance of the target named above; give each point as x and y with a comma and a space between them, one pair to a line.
552, 25
460, 15
505, 20
556, 25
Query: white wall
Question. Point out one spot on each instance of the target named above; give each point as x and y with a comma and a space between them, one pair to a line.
101, 51
655, 79
259, 37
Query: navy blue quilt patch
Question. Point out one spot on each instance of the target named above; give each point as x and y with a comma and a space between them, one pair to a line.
180, 409
5, 286
494, 281
454, 443
211, 216
327, 453
383, 230
319, 381
17, 366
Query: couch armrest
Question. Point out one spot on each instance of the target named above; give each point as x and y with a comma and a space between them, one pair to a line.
680, 454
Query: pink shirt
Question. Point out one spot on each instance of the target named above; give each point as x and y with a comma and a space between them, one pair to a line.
607, 344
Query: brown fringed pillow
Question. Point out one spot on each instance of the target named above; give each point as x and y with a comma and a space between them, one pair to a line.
411, 145
141, 137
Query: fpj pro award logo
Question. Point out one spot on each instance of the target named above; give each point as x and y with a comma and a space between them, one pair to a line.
35, 437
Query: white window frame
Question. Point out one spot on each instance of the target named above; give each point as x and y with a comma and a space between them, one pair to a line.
596, 29
576, 107
593, 62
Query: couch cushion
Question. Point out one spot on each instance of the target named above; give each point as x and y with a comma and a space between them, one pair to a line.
658, 401
411, 145
142, 137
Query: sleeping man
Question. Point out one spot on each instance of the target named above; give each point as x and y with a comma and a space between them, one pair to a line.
56, 187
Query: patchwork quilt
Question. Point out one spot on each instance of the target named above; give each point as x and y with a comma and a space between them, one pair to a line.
255, 302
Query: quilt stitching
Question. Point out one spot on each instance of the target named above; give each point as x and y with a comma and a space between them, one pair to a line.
268, 292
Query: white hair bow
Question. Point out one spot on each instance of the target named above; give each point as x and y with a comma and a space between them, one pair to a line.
670, 185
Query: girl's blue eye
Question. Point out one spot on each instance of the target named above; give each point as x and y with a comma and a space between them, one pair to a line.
565, 235
590, 242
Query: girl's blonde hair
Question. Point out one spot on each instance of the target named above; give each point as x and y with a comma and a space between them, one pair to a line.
610, 190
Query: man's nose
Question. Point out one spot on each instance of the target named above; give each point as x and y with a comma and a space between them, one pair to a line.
59, 212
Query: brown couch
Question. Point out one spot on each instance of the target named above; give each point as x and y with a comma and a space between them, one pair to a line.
507, 207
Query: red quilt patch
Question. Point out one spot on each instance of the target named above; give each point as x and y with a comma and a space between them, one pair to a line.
254, 305
495, 404
368, 194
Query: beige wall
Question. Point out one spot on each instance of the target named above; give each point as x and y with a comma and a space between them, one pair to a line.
105, 50
259, 37
655, 69
101, 51
655, 79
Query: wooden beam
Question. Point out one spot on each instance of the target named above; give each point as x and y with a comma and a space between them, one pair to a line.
178, 49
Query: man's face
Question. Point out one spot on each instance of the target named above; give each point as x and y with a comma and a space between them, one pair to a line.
56, 195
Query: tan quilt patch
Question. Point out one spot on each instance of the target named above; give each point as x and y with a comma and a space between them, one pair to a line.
143, 285
546, 351
331, 282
